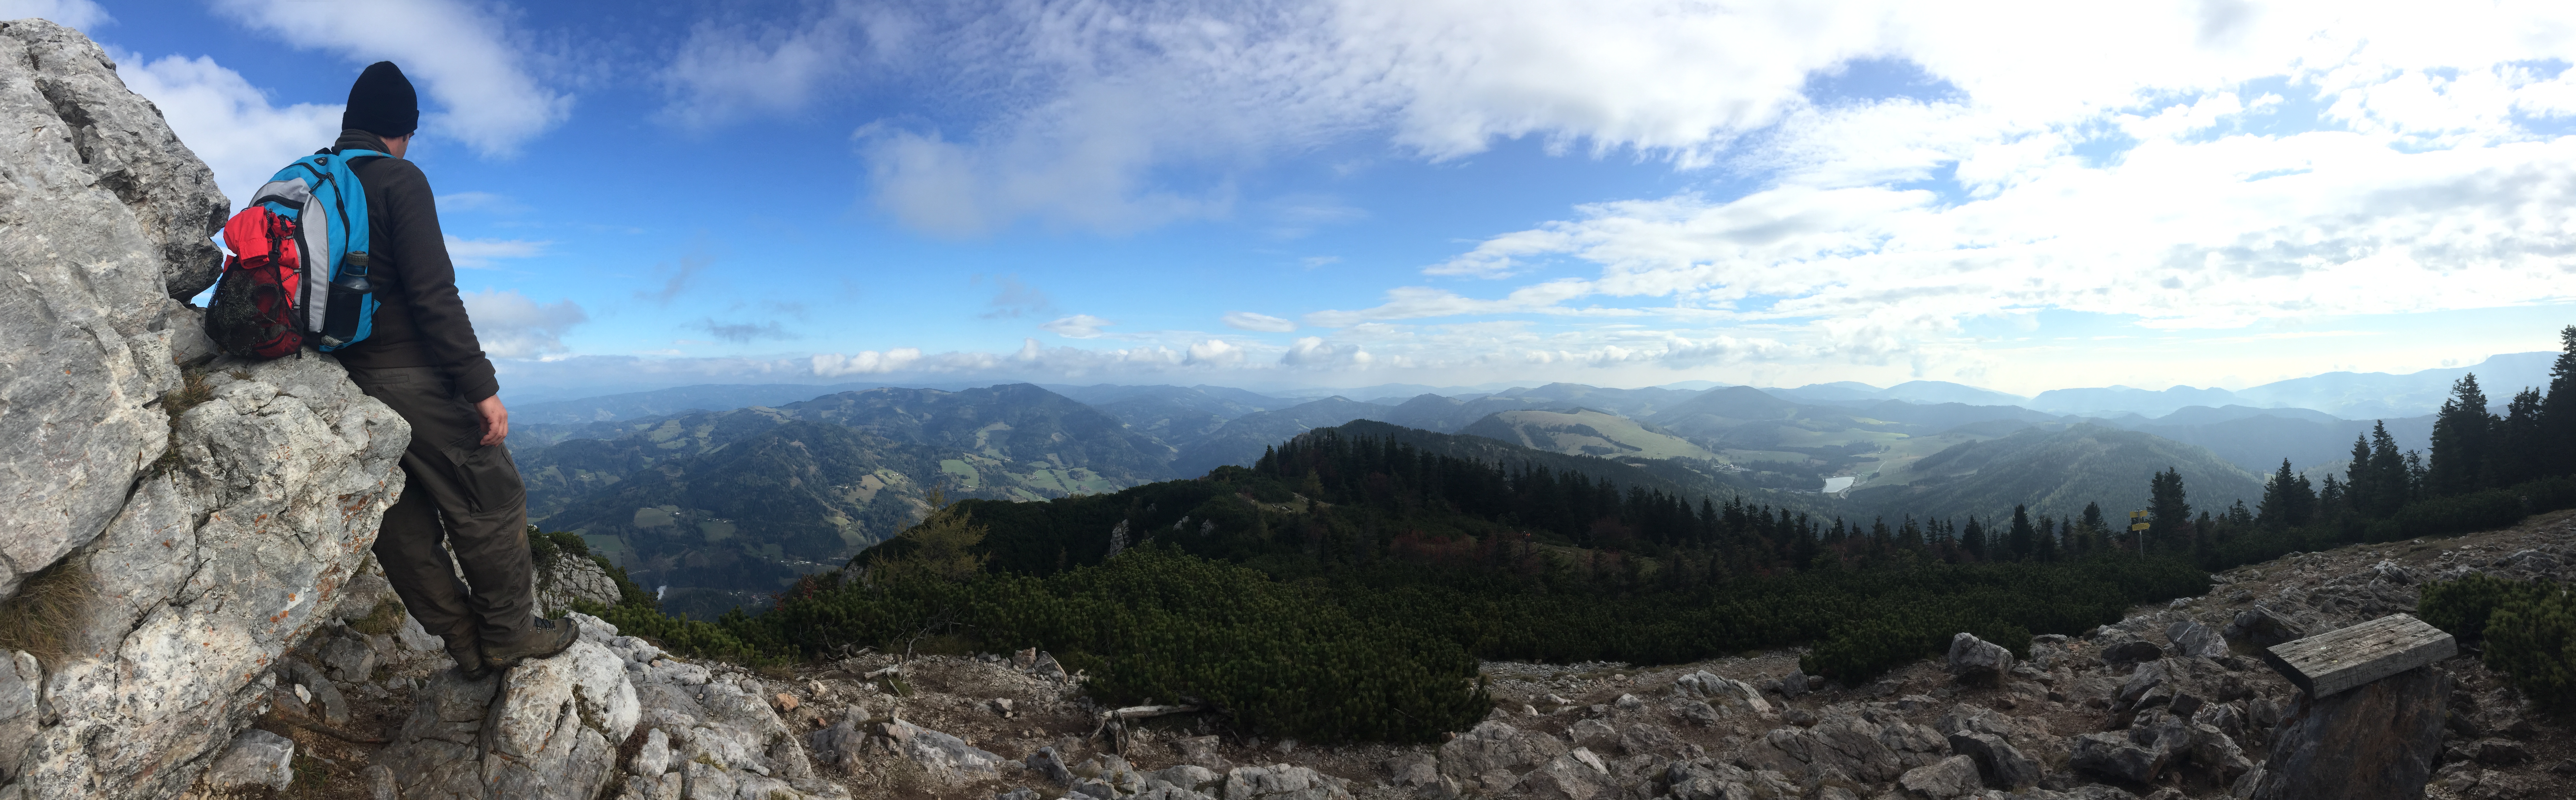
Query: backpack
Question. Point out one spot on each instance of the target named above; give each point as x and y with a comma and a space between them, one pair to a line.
298, 272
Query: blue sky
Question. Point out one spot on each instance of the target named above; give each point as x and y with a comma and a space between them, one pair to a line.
1345, 194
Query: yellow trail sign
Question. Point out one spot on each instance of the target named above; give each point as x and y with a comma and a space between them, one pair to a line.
2138, 526
2137, 514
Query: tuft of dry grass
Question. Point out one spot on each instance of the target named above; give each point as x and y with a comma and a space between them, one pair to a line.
191, 393
383, 620
40, 618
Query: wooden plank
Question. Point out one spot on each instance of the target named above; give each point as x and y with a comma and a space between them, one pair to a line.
2337, 660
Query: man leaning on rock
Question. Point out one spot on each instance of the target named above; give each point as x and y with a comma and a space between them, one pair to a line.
460, 487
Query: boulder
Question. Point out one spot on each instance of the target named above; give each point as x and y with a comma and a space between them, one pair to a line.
1593, 733
549, 728
2003, 765
942, 754
2261, 627
1955, 776
1976, 661
1494, 746
2131, 652
1577, 775
1705, 779
1721, 690
569, 578
1639, 739
2116, 755
256, 758
1283, 782
203, 560
2375, 740
1839, 744
1698, 713
2194, 640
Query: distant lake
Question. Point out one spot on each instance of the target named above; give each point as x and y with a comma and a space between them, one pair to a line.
1833, 485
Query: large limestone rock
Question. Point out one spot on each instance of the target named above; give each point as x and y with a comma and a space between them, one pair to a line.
569, 578
189, 575
99, 206
211, 572
2375, 741
550, 729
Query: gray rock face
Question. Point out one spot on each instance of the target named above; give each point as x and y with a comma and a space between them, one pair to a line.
204, 566
1493, 746
214, 569
2378, 740
1955, 776
1977, 661
549, 728
2114, 755
256, 758
2194, 640
2260, 627
1839, 744
94, 205
572, 578
2002, 764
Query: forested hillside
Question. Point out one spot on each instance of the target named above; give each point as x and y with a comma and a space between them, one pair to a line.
1355, 545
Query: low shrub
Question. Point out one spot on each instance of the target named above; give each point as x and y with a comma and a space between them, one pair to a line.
2462, 607
2531, 638
2475, 511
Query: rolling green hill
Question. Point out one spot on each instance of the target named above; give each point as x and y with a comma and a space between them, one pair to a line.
2055, 471
1587, 432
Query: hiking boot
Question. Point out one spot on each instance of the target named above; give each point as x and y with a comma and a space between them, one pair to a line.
545, 637
468, 657
468, 652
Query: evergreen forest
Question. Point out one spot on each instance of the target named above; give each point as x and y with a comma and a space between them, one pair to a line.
1346, 585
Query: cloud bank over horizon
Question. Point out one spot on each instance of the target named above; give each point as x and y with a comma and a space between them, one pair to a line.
2022, 196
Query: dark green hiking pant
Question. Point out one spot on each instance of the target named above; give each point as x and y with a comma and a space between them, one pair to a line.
457, 492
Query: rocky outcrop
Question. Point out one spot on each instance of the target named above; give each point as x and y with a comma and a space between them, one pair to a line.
185, 528
2378, 740
569, 578
552, 728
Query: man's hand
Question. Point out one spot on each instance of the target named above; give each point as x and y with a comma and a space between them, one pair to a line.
496, 420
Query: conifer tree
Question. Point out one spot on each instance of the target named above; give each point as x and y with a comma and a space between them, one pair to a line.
2521, 453
2048, 548
2557, 417
2390, 481
2023, 540
2288, 500
1973, 540
2093, 516
2361, 484
2168, 509
2332, 500
2463, 436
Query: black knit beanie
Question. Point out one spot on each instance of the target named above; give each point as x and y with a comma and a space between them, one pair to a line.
382, 102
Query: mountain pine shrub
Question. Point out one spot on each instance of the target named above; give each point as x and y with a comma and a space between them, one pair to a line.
2462, 606
2531, 638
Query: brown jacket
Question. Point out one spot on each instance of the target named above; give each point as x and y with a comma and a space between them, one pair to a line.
420, 319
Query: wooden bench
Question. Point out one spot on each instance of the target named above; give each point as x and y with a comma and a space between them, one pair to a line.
2334, 661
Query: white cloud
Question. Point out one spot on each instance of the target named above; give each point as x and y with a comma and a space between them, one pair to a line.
1312, 352
512, 326
726, 72
1078, 326
227, 122
474, 81
865, 362
1215, 353
1415, 302
81, 15
480, 253
1248, 321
